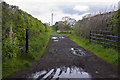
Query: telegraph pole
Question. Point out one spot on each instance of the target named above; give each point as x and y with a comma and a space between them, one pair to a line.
52, 20
119, 5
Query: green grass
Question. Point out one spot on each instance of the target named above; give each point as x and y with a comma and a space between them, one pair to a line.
12, 66
54, 32
0, 59
64, 33
37, 46
0, 52
109, 55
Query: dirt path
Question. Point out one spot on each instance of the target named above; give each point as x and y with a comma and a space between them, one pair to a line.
58, 54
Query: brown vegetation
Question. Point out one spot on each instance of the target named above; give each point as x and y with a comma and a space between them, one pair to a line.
97, 22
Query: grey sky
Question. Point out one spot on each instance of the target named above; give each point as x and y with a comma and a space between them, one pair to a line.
42, 9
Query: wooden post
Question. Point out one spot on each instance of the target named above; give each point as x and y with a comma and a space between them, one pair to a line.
10, 35
90, 38
104, 39
119, 39
26, 40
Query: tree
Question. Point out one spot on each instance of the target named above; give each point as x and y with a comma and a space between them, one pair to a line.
114, 21
61, 26
67, 28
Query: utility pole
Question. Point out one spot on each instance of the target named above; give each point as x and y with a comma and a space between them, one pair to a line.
119, 5
52, 20
49, 23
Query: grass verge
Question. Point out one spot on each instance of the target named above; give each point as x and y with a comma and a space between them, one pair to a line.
109, 55
64, 33
37, 46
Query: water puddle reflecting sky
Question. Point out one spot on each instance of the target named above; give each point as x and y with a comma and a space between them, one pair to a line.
61, 37
53, 38
56, 39
59, 73
77, 51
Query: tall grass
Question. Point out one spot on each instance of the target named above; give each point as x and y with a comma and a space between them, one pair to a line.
14, 57
109, 55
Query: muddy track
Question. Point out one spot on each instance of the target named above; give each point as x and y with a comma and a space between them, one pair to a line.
58, 54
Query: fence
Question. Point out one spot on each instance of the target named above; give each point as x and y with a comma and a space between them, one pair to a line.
109, 38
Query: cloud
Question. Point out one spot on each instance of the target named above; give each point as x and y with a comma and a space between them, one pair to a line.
42, 9
81, 8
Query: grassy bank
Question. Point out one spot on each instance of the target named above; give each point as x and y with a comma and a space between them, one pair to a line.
14, 24
37, 46
109, 55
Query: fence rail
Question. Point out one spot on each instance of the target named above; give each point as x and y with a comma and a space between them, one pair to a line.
109, 38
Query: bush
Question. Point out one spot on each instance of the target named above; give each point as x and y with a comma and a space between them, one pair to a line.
13, 55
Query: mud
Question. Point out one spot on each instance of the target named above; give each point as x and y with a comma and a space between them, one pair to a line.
58, 54
77, 51
62, 72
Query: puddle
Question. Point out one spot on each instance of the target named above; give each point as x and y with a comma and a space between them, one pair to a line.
37, 74
77, 51
55, 39
60, 73
61, 37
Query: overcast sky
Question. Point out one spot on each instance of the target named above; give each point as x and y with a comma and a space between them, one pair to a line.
42, 9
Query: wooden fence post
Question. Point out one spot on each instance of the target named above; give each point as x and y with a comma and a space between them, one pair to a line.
104, 38
26, 40
118, 40
10, 35
90, 38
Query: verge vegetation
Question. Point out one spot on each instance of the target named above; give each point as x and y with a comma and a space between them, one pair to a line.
109, 55
106, 22
14, 24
